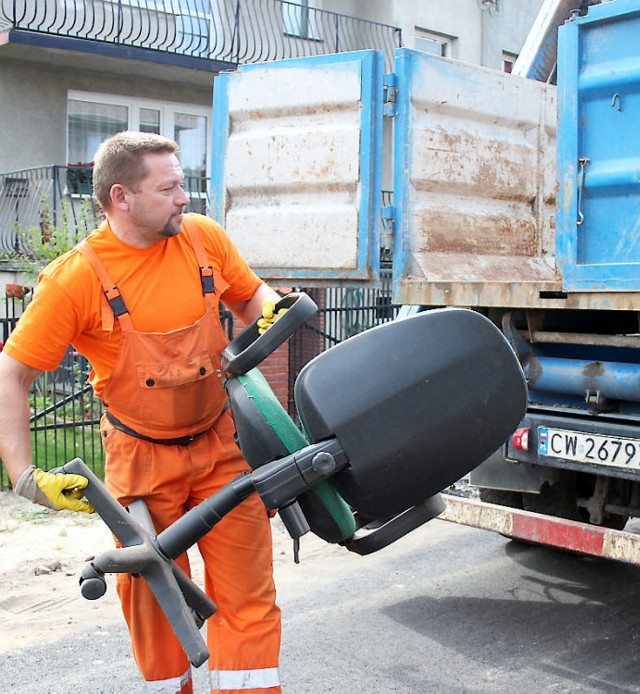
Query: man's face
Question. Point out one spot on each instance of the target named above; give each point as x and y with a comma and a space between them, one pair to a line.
156, 207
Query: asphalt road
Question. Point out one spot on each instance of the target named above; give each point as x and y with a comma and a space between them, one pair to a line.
446, 609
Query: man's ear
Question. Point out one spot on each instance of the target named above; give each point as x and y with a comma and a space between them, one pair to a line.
119, 196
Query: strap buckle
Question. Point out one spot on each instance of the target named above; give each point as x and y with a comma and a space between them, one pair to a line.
206, 279
116, 301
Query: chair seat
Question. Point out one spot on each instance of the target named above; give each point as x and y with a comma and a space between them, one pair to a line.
327, 513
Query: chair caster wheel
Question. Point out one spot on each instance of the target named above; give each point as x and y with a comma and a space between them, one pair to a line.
92, 583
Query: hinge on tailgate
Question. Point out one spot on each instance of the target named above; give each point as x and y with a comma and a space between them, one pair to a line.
388, 216
390, 94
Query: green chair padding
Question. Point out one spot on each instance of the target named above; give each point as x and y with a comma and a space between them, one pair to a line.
327, 513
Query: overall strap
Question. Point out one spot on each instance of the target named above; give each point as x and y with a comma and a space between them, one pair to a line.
115, 305
194, 234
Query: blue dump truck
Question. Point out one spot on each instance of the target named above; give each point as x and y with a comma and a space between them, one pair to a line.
515, 195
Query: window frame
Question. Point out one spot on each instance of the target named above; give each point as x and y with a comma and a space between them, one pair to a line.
300, 21
446, 41
508, 60
168, 111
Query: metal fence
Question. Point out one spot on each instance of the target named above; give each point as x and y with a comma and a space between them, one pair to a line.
342, 313
35, 202
232, 31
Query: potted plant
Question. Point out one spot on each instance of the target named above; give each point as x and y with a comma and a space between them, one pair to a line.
16, 291
53, 236
80, 178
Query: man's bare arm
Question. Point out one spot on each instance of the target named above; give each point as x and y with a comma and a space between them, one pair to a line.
250, 310
15, 440
44, 488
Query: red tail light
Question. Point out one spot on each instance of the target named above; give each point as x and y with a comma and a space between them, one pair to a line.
520, 439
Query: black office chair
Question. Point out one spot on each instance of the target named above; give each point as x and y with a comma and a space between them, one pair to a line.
388, 419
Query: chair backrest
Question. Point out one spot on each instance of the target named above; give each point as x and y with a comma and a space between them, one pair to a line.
415, 404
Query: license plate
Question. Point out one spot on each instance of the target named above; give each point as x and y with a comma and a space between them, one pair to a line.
589, 448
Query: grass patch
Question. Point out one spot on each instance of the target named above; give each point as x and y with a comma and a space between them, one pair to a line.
55, 447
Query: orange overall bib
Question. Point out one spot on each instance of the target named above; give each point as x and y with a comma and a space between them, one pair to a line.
169, 441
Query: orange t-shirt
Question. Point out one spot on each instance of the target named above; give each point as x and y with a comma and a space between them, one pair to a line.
160, 286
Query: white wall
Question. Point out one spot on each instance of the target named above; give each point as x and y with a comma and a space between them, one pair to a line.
33, 107
481, 32
506, 29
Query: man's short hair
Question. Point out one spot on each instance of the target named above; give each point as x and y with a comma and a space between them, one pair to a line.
120, 159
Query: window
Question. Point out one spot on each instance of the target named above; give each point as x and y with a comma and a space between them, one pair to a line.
190, 132
93, 117
434, 43
89, 124
508, 61
150, 120
301, 20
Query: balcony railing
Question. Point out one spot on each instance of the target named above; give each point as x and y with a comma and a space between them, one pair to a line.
52, 197
233, 31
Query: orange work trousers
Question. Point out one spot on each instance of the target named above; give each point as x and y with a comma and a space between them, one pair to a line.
243, 636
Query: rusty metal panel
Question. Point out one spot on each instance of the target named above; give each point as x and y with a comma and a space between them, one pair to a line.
296, 165
477, 514
545, 530
474, 180
416, 290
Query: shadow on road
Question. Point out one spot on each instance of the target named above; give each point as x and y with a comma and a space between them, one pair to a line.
575, 616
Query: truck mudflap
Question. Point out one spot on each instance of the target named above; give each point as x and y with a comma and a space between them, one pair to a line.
593, 540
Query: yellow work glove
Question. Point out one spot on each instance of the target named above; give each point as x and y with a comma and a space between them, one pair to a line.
55, 491
269, 315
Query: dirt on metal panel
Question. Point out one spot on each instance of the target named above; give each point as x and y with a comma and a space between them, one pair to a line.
481, 183
292, 168
413, 289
